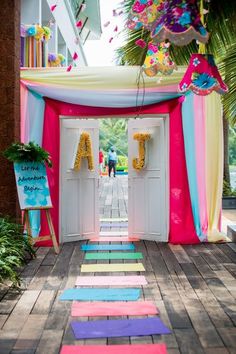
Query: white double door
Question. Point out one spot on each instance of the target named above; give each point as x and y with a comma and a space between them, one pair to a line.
147, 189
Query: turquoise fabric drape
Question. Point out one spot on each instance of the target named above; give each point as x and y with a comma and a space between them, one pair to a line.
190, 155
35, 116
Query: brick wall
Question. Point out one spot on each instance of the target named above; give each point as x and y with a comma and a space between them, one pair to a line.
9, 100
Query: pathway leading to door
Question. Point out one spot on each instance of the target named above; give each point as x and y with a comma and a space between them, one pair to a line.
99, 294
113, 201
192, 286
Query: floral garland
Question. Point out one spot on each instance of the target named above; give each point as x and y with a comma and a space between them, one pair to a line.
56, 59
40, 33
139, 163
84, 151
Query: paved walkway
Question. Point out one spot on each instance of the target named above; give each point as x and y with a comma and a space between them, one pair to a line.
194, 288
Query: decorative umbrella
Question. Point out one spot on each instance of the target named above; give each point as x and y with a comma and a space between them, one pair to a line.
180, 23
158, 59
202, 76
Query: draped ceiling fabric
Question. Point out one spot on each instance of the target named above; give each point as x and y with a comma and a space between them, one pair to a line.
196, 142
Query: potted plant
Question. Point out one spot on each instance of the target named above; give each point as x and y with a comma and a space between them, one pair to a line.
229, 196
31, 152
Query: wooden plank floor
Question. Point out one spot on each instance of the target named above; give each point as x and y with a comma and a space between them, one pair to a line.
194, 288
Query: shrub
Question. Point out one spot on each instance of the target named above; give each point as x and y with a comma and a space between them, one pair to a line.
14, 249
227, 190
122, 160
31, 152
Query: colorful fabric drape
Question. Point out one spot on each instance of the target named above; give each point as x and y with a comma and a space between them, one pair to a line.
190, 154
32, 106
214, 165
181, 220
200, 148
113, 90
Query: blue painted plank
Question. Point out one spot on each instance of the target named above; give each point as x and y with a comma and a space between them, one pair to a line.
125, 247
101, 294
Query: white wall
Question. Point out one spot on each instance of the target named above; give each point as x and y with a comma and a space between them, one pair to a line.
31, 12
66, 23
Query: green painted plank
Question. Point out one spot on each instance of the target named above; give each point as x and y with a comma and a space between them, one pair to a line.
114, 255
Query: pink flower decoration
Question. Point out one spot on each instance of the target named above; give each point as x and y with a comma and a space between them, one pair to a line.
141, 43
152, 47
75, 56
69, 68
79, 24
116, 29
177, 11
150, 2
138, 7
52, 8
111, 39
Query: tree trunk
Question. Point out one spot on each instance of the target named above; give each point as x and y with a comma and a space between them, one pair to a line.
10, 101
226, 149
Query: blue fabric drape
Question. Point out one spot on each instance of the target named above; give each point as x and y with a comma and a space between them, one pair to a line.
190, 155
35, 116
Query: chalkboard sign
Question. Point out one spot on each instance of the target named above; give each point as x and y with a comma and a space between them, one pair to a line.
32, 185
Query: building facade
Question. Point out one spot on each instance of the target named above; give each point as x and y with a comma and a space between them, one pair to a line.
66, 39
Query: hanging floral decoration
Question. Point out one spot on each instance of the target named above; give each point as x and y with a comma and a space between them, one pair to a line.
180, 23
40, 33
202, 76
158, 59
144, 14
139, 163
56, 60
84, 150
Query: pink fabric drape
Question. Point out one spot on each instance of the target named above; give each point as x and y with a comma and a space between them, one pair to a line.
200, 141
23, 107
181, 220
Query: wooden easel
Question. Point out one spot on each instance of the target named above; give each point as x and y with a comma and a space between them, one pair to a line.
52, 236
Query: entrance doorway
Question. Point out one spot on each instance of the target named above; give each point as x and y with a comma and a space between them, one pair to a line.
147, 195
113, 186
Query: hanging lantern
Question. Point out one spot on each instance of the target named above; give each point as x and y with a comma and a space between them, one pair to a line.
158, 59
144, 13
202, 76
180, 23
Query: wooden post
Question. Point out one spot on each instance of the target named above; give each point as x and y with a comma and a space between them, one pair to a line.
52, 235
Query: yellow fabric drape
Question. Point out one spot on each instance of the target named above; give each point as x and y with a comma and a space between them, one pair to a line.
102, 78
214, 165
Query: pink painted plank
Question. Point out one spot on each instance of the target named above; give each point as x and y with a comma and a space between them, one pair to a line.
117, 308
115, 239
125, 280
115, 349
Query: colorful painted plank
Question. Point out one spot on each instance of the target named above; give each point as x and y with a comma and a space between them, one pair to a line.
101, 294
119, 328
124, 280
113, 255
112, 267
136, 308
